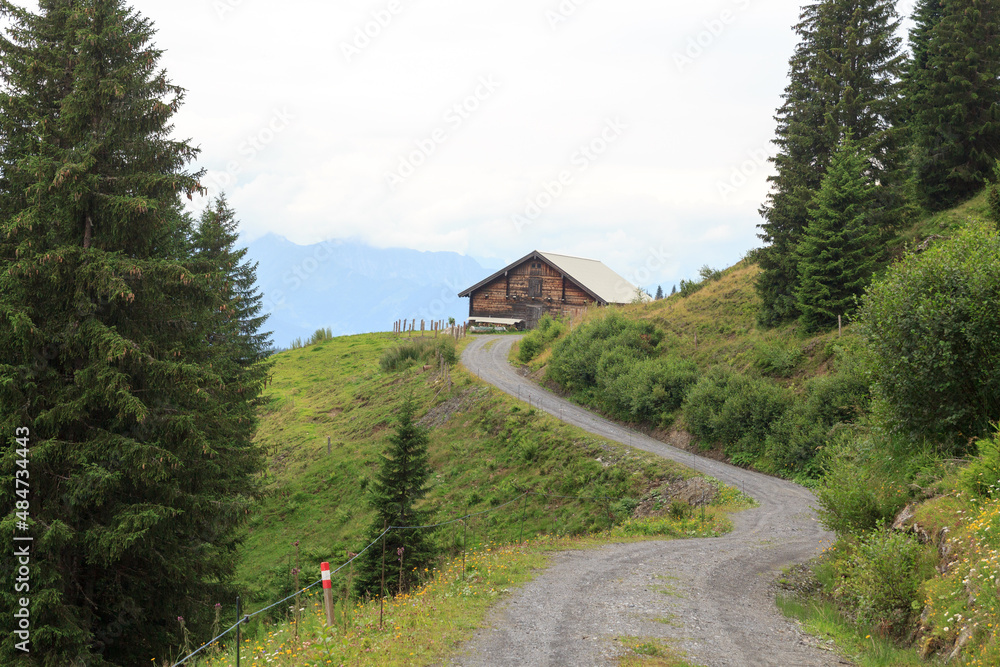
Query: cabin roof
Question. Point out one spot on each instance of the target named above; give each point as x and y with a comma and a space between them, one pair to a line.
590, 275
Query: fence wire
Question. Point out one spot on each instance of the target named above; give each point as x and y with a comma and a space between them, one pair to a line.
247, 617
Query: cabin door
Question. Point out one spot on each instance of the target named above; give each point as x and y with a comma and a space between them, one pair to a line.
534, 314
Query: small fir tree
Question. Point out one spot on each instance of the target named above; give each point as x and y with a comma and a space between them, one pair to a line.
843, 79
841, 247
659, 292
398, 487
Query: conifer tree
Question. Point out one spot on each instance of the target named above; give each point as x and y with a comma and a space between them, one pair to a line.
956, 103
926, 15
841, 248
659, 292
141, 465
843, 78
215, 242
400, 484
673, 290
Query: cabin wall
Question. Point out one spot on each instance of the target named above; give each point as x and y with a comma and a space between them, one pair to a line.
527, 292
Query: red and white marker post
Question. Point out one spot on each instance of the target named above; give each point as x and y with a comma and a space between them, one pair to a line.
327, 593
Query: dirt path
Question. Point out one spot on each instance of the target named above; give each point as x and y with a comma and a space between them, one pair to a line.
713, 597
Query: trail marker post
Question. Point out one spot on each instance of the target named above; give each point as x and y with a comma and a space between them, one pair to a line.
239, 621
327, 593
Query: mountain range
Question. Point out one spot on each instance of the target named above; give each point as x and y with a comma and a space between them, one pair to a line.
350, 287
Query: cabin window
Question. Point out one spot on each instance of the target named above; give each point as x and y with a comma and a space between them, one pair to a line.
535, 287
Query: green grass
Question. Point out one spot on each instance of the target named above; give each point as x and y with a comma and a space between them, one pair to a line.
485, 449
648, 652
944, 222
429, 624
824, 620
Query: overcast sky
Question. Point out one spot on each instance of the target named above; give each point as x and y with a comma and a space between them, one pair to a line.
631, 131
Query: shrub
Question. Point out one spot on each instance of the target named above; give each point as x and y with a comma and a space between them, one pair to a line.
320, 335
735, 410
778, 359
881, 575
868, 473
707, 275
419, 349
982, 476
575, 357
652, 389
801, 433
932, 338
531, 345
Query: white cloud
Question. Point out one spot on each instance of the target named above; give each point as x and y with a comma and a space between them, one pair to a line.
689, 129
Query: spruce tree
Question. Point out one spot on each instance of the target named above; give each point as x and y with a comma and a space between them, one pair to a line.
843, 78
841, 248
673, 290
926, 15
659, 292
956, 103
400, 484
215, 242
141, 463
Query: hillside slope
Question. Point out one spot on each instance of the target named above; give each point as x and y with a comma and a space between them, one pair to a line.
485, 447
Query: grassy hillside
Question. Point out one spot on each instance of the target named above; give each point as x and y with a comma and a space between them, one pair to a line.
485, 448
796, 404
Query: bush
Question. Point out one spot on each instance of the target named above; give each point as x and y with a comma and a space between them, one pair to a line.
881, 575
735, 410
867, 480
932, 338
778, 359
707, 274
982, 476
804, 430
651, 389
420, 349
548, 330
575, 357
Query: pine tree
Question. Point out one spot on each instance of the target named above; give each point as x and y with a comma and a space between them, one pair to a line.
956, 103
141, 465
215, 242
659, 292
673, 290
841, 248
843, 79
400, 484
926, 15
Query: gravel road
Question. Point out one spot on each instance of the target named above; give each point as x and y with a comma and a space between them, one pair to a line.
712, 597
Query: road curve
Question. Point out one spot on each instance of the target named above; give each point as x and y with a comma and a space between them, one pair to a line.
711, 597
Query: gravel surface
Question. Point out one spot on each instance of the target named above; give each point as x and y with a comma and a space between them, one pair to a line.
712, 597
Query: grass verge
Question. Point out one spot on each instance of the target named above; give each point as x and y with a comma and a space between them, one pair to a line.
429, 624
824, 620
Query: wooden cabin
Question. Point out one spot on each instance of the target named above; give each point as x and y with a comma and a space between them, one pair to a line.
544, 282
